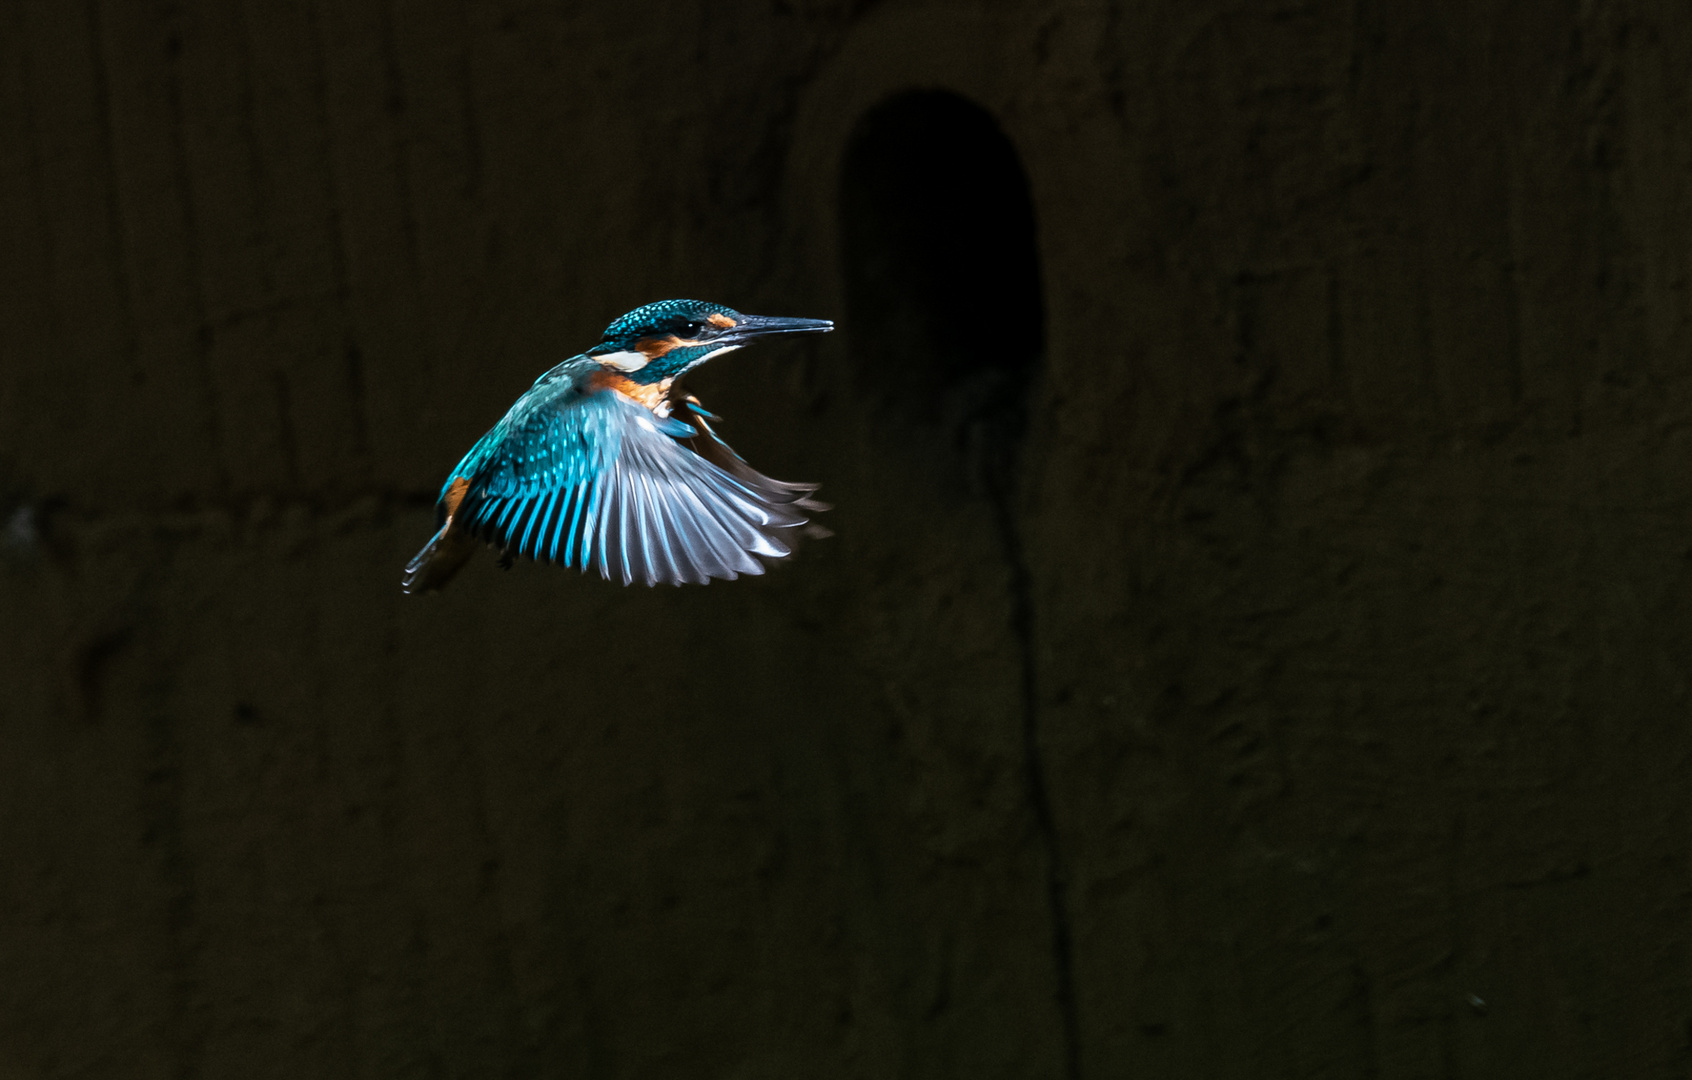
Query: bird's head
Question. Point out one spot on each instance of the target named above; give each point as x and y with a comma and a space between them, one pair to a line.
662, 340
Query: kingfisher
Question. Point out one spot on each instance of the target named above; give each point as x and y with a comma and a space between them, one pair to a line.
603, 463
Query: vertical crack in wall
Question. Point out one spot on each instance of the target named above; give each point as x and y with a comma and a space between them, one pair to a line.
1022, 626
117, 224
340, 272
161, 798
397, 105
193, 261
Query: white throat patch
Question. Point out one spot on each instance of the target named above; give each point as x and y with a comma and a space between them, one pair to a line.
624, 361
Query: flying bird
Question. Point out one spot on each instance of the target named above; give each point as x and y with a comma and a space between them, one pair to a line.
603, 464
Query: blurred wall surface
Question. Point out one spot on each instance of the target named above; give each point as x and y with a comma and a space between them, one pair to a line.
1255, 642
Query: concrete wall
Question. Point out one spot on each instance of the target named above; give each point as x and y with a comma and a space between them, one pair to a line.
1316, 704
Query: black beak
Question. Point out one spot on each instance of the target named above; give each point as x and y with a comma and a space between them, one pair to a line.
752, 327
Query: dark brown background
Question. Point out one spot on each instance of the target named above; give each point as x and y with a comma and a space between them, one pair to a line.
1313, 702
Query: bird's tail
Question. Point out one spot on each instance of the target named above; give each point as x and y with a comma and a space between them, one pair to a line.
440, 558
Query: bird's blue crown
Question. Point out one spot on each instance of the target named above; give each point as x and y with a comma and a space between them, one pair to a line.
685, 319
660, 341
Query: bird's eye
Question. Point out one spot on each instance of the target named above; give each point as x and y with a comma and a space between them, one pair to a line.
691, 329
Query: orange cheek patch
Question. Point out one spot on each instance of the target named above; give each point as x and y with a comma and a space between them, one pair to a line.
654, 347
722, 322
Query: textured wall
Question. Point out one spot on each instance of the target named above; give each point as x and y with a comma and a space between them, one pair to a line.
1319, 707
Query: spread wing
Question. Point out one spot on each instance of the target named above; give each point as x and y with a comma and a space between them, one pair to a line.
708, 445
596, 480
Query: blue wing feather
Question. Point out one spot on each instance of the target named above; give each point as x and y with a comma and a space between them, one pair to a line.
567, 532
591, 478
